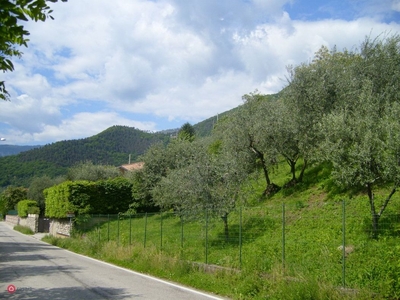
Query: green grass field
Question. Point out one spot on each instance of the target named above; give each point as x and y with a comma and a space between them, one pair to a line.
284, 247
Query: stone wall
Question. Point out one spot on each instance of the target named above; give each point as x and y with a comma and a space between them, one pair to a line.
12, 219
32, 221
60, 227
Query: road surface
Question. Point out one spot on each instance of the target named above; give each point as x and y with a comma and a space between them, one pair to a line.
31, 269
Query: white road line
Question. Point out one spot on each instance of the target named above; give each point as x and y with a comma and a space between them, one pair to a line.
149, 277
134, 272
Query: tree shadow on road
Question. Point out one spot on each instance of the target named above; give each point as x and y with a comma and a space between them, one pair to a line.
7, 247
12, 273
76, 293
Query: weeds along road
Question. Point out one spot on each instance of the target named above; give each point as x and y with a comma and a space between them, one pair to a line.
31, 269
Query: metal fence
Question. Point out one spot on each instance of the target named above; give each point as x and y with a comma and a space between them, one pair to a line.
335, 247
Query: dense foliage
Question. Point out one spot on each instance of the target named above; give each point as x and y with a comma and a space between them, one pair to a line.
91, 172
159, 160
360, 134
109, 196
187, 132
37, 186
18, 173
10, 197
26, 207
341, 109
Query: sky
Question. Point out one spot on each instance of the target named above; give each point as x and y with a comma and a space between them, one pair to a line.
157, 64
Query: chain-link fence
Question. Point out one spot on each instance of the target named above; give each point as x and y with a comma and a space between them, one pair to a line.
333, 247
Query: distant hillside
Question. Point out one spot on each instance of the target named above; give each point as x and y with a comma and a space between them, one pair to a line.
6, 150
204, 128
110, 147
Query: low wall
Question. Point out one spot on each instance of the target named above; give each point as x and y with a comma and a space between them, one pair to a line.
60, 227
32, 221
12, 219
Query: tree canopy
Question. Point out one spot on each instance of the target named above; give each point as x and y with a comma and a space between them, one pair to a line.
10, 197
187, 132
342, 108
89, 171
361, 137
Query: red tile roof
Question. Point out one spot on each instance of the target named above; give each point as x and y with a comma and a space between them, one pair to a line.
132, 167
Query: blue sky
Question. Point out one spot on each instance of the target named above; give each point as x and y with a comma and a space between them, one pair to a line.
157, 64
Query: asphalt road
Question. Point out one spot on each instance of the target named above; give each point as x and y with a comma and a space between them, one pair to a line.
38, 270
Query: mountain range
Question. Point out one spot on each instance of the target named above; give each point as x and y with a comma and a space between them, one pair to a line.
114, 146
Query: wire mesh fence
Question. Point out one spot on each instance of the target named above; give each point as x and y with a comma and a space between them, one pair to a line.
332, 247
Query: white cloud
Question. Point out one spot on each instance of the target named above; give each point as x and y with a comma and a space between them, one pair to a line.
94, 66
28, 113
195, 103
81, 125
396, 5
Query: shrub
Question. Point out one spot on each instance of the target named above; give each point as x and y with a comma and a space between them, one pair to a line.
109, 196
69, 196
26, 207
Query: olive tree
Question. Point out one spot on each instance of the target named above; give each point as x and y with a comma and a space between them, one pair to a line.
89, 171
362, 137
284, 138
210, 184
174, 189
314, 90
247, 135
159, 161
363, 145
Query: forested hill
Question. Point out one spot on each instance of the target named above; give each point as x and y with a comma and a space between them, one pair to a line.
110, 147
204, 128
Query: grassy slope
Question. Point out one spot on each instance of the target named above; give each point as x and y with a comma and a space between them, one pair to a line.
313, 232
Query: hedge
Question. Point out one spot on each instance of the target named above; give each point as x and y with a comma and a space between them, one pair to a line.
109, 196
26, 207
